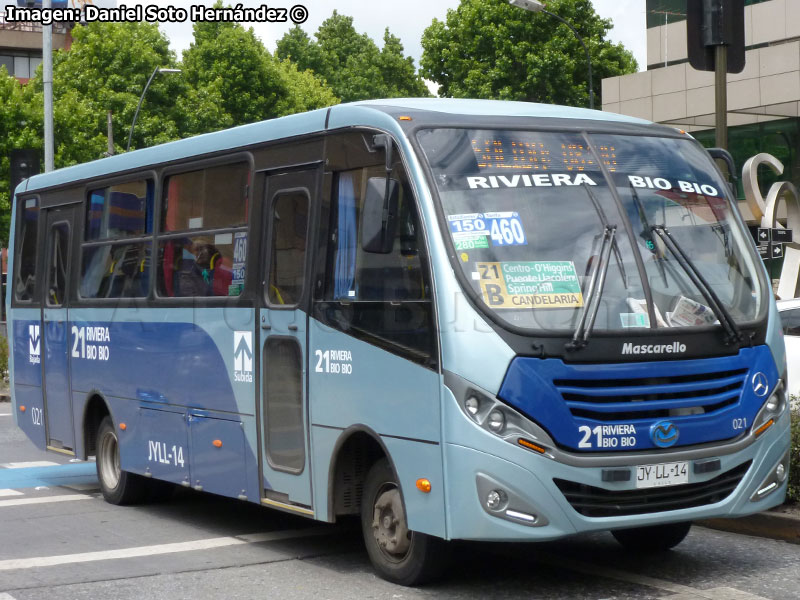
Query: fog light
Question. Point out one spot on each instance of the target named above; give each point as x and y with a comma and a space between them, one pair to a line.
780, 473
496, 499
496, 421
472, 405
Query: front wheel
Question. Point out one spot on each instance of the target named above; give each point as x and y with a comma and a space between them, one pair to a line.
653, 539
398, 554
118, 486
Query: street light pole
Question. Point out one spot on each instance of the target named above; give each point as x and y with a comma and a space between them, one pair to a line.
141, 99
536, 6
47, 85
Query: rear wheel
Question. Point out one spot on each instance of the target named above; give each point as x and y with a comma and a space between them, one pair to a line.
117, 486
653, 539
398, 554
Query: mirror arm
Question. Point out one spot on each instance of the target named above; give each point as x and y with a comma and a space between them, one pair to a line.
384, 141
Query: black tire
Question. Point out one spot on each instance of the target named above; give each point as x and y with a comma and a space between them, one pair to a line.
653, 539
118, 486
397, 554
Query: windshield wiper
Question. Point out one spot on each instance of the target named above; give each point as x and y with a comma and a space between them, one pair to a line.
591, 299
602, 216
733, 334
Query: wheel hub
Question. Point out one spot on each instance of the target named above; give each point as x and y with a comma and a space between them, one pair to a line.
389, 523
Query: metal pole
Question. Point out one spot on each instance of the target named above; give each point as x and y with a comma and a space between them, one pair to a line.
721, 94
47, 81
138, 106
585, 49
110, 134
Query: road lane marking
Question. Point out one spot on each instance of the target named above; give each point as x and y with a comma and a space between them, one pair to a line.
6, 493
28, 465
4, 415
206, 544
724, 593
5, 596
43, 500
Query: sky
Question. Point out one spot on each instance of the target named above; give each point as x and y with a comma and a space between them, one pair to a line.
406, 19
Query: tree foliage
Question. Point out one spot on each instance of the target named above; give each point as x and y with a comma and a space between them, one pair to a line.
228, 78
490, 49
351, 63
14, 133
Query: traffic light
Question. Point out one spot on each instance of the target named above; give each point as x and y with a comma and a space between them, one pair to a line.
24, 164
712, 23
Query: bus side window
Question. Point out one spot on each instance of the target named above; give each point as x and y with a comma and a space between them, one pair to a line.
25, 279
383, 299
122, 211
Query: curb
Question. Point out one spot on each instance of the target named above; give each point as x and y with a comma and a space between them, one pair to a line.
773, 525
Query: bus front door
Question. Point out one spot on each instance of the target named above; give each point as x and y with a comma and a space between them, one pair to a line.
55, 332
283, 317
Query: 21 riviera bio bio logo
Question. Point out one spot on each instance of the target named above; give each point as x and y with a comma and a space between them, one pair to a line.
151, 13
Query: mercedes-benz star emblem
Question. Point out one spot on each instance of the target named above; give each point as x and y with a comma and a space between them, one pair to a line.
760, 384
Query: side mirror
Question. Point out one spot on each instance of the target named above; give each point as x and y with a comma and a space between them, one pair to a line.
379, 218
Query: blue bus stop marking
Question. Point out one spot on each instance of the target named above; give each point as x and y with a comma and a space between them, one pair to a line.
72, 474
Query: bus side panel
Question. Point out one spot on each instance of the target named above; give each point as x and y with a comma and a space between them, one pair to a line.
413, 461
158, 369
24, 331
352, 382
27, 348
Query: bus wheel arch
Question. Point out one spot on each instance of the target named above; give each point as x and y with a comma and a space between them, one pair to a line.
95, 410
356, 450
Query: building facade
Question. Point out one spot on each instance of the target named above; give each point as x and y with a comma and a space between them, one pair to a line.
763, 100
21, 46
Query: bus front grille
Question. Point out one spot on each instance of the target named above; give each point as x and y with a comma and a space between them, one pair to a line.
651, 397
597, 502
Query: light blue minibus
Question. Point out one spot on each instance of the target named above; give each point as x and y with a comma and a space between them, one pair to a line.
458, 319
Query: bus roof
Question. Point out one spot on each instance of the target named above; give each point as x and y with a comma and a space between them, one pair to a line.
301, 124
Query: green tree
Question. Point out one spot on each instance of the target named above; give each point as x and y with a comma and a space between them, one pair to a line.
490, 49
229, 63
14, 133
351, 63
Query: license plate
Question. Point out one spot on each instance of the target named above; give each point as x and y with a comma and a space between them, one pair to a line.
663, 474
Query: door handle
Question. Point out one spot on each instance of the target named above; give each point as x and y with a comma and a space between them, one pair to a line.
292, 327
266, 326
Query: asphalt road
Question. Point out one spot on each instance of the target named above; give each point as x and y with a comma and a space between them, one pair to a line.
59, 539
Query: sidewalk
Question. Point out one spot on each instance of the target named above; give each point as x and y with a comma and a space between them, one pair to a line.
780, 523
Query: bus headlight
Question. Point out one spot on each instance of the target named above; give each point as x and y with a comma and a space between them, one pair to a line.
498, 418
777, 400
473, 405
496, 421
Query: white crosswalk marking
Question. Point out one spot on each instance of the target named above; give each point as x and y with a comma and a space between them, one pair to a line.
6, 493
206, 544
3, 414
44, 500
25, 465
5, 596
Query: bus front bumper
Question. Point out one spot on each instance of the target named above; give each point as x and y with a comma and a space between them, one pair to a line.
506, 493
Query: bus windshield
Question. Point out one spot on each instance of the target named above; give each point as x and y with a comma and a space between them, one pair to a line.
527, 213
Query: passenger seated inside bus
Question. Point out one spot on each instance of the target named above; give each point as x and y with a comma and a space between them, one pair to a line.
194, 268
